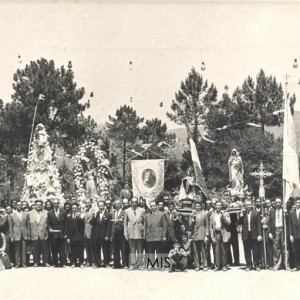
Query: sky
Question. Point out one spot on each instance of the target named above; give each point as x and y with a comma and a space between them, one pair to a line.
163, 41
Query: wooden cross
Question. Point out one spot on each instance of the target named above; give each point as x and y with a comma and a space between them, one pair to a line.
261, 174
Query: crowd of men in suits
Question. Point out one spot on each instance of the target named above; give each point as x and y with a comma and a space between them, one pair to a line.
129, 234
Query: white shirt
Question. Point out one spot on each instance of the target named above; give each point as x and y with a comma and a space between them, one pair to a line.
101, 215
278, 218
218, 221
56, 212
298, 212
19, 214
249, 220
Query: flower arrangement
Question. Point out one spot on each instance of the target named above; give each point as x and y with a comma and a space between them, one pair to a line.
91, 164
41, 177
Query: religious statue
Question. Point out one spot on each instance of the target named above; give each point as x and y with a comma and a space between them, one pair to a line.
91, 187
236, 171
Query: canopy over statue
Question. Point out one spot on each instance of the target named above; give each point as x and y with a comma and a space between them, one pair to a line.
236, 171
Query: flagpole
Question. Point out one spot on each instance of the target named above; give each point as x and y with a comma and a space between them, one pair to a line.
33, 121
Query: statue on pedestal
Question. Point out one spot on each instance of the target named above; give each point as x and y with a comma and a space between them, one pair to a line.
236, 171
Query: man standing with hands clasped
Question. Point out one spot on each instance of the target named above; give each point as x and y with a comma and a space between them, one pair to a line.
251, 234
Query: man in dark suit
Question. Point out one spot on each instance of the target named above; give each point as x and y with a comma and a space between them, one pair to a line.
101, 234
19, 234
251, 234
117, 235
276, 233
75, 235
294, 230
155, 231
57, 222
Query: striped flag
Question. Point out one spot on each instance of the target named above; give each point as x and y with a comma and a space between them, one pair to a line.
290, 173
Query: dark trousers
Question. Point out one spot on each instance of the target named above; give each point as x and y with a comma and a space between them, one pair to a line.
49, 252
20, 252
221, 251
89, 250
234, 245
135, 246
296, 252
76, 252
199, 253
251, 248
10, 251
40, 248
98, 245
152, 247
125, 263
278, 248
118, 245
179, 263
58, 250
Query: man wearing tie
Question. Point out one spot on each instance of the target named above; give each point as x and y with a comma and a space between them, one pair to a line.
134, 232
19, 234
200, 233
117, 235
276, 233
88, 215
38, 224
155, 232
75, 235
294, 230
57, 222
251, 234
100, 235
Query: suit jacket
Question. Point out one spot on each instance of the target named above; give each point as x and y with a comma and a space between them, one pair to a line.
88, 215
19, 228
125, 194
57, 223
272, 220
134, 223
74, 228
199, 226
173, 227
117, 223
38, 229
225, 223
255, 225
294, 224
155, 226
101, 228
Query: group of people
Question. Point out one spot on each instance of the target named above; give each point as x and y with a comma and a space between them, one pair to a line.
132, 236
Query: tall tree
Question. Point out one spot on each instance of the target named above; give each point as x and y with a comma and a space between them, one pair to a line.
123, 130
60, 110
193, 102
260, 99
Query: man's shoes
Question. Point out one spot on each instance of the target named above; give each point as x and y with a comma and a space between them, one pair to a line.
197, 269
17, 267
275, 268
205, 269
35, 265
225, 269
73, 266
170, 271
131, 268
216, 269
47, 265
257, 269
81, 266
126, 268
248, 269
294, 270
94, 266
24, 266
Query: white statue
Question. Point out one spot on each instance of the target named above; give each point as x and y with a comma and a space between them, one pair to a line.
236, 171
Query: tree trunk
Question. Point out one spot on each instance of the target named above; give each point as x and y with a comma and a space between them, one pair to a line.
124, 161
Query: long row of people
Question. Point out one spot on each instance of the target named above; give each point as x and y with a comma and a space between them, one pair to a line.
131, 236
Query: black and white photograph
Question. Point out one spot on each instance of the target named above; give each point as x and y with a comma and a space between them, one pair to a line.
149, 149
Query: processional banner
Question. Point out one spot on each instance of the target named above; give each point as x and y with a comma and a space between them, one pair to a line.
147, 178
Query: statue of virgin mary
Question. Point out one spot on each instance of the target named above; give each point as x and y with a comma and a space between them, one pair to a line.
236, 170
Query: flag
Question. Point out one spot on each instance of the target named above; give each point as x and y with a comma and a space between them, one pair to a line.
290, 173
199, 178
